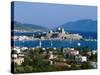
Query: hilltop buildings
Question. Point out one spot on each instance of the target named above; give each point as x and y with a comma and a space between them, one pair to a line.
61, 34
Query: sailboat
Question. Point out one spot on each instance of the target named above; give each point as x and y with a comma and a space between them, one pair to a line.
51, 44
40, 44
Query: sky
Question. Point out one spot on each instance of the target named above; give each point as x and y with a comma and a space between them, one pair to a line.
51, 15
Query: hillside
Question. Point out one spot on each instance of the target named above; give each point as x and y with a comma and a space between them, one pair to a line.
81, 25
26, 27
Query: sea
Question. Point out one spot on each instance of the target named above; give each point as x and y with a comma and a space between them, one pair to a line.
57, 43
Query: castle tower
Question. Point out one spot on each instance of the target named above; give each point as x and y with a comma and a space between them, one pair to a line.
51, 31
62, 30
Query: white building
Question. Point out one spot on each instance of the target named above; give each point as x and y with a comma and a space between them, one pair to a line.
51, 56
70, 51
24, 48
43, 49
62, 30
21, 55
14, 56
18, 61
51, 31
17, 49
80, 58
18, 58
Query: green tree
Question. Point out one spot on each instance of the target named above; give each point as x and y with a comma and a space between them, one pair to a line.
28, 69
85, 50
86, 65
93, 57
75, 67
19, 70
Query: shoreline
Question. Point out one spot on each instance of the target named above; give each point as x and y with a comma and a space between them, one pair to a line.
94, 40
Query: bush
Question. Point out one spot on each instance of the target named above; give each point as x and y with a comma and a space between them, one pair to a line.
86, 65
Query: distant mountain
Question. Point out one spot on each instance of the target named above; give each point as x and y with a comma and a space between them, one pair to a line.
81, 25
26, 27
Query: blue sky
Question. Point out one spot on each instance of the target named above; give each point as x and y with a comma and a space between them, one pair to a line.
51, 15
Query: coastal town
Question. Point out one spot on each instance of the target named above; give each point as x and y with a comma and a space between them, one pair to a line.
56, 59
39, 59
52, 37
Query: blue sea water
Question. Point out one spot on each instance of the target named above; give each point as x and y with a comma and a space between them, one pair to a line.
56, 43
59, 43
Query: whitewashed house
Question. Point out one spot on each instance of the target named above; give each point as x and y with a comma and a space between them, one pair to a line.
43, 49
14, 56
24, 48
21, 55
80, 58
17, 49
51, 56
18, 58
70, 52
19, 61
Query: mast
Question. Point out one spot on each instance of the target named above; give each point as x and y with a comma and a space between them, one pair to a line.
51, 43
40, 44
